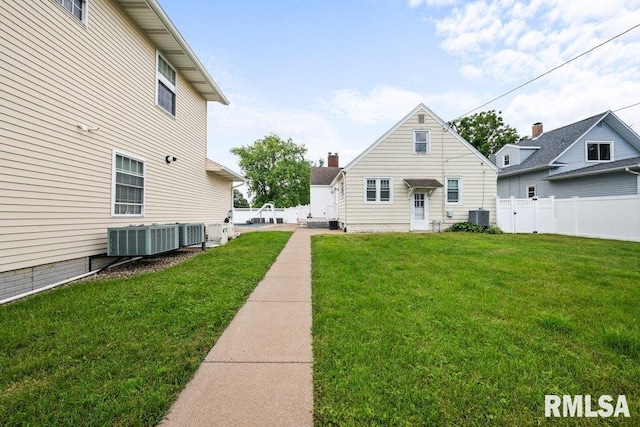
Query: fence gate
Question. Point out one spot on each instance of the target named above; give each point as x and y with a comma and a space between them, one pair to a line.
525, 215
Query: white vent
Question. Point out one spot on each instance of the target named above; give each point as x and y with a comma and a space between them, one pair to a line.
142, 240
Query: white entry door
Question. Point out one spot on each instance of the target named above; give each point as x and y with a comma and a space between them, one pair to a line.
419, 211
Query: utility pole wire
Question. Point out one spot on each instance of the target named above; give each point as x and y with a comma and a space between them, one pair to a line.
550, 71
628, 106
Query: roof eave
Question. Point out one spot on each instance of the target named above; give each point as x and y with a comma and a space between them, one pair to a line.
223, 172
159, 28
596, 172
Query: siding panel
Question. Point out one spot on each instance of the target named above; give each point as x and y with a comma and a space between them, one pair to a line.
55, 182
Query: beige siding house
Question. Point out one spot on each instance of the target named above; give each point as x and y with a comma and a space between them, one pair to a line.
103, 123
419, 176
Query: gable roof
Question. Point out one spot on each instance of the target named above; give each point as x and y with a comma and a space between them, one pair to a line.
445, 126
150, 17
323, 175
553, 144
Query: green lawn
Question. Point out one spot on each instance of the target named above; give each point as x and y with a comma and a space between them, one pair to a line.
469, 329
117, 352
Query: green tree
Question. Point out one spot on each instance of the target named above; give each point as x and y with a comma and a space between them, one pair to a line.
486, 131
276, 171
238, 199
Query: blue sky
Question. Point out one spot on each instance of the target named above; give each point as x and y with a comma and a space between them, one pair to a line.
336, 75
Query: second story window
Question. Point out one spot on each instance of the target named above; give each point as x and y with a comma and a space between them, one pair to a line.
421, 141
506, 160
166, 86
599, 151
76, 7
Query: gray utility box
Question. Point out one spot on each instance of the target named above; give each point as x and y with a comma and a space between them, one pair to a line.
479, 217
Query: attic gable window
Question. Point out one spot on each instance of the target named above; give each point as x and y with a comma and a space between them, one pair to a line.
77, 8
421, 139
166, 86
506, 160
599, 151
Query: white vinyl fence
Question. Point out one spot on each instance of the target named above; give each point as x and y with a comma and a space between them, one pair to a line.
614, 217
286, 215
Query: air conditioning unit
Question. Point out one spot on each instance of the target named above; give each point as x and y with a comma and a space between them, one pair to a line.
191, 234
142, 240
479, 217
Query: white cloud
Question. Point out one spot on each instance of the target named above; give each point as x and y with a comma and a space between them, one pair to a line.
507, 42
416, 3
378, 105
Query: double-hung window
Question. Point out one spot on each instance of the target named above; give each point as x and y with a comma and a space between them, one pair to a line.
378, 190
77, 8
454, 190
531, 191
129, 181
506, 160
166, 85
599, 151
421, 141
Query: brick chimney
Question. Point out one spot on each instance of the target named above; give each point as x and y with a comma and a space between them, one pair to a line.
332, 160
536, 130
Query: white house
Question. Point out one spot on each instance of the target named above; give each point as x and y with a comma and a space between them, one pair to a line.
103, 123
323, 198
420, 175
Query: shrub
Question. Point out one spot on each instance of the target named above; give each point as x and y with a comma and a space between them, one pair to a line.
473, 228
466, 227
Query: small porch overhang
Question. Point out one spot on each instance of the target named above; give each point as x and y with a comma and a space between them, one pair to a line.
222, 172
428, 184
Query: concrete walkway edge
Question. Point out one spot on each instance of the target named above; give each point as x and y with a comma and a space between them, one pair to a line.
259, 372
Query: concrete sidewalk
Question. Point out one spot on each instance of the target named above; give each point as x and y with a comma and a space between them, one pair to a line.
259, 373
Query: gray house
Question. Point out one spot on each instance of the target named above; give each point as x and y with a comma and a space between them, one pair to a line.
597, 156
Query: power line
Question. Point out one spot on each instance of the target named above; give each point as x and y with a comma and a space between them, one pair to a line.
550, 71
628, 106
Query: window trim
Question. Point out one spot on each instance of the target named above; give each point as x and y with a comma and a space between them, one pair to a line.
85, 10
378, 181
173, 87
506, 160
586, 151
428, 142
116, 152
446, 190
535, 191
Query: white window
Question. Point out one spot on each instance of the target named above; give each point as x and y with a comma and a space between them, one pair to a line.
166, 86
378, 190
531, 191
599, 151
506, 160
421, 139
128, 185
454, 190
77, 8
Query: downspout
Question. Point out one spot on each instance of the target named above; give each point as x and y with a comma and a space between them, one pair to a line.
444, 178
344, 195
638, 180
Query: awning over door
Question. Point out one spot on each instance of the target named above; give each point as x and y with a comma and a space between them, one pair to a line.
423, 184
